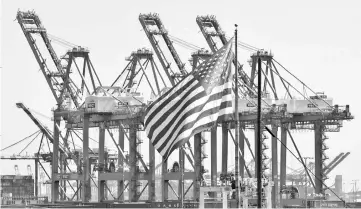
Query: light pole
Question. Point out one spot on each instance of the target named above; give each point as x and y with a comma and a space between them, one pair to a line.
305, 158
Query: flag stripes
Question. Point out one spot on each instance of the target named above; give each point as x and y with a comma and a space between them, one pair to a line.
193, 109
193, 105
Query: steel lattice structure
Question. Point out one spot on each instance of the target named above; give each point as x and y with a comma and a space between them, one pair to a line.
127, 119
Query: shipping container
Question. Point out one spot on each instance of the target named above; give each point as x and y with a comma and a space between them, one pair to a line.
17, 186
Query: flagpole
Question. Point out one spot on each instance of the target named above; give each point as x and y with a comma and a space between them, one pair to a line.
181, 149
236, 173
259, 154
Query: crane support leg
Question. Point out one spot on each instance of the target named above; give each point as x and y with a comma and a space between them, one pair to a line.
283, 155
197, 164
121, 164
242, 163
36, 177
151, 181
256, 141
318, 158
224, 147
133, 163
78, 182
86, 192
214, 158
62, 182
55, 162
164, 182
181, 166
101, 163
274, 166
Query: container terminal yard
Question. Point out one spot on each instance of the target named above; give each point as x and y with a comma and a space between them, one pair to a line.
125, 170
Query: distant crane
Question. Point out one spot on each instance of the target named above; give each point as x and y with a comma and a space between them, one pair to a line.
30, 173
16, 168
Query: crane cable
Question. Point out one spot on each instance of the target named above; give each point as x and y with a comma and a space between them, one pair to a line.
245, 45
62, 41
184, 43
39, 113
20, 141
289, 84
300, 81
195, 47
28, 144
188, 43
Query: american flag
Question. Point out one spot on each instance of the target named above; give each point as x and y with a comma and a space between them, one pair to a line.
193, 105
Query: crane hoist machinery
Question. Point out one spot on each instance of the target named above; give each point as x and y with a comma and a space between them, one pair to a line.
292, 106
114, 99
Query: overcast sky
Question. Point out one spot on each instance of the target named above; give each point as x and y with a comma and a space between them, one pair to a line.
319, 41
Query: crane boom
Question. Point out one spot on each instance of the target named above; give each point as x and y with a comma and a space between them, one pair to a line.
333, 161
42, 128
58, 79
148, 20
336, 163
210, 28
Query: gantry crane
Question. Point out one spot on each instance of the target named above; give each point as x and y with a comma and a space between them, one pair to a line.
63, 148
30, 173
66, 89
16, 168
211, 29
153, 26
216, 38
298, 175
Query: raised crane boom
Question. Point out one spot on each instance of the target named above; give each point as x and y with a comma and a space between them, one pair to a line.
58, 76
336, 163
149, 20
25, 19
210, 28
333, 161
42, 128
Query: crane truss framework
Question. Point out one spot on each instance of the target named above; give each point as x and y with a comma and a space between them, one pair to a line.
153, 27
57, 73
